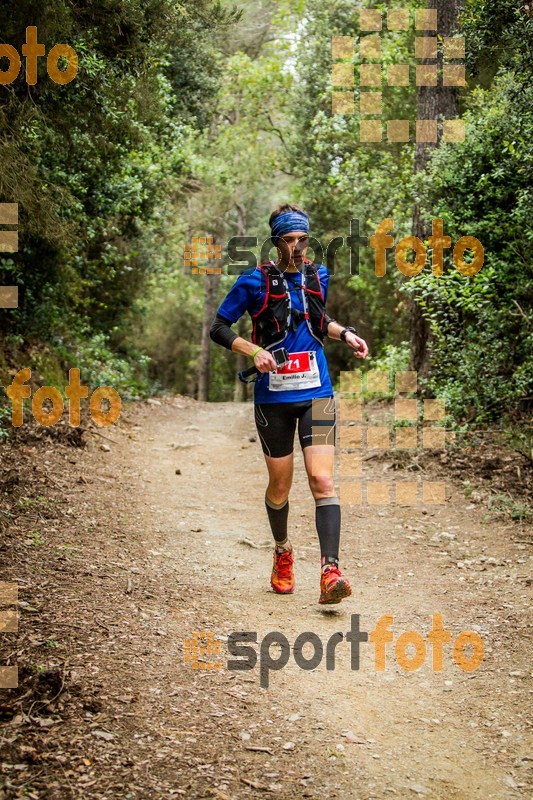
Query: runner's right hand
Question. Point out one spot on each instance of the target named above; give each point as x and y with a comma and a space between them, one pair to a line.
265, 361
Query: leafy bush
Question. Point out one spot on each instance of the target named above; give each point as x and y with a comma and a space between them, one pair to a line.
482, 343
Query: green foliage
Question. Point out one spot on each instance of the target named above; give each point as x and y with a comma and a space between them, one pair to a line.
339, 179
96, 166
172, 314
394, 358
101, 366
482, 340
499, 34
183, 121
5, 422
481, 328
516, 510
35, 539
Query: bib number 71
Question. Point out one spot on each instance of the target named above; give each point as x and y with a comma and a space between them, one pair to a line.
298, 362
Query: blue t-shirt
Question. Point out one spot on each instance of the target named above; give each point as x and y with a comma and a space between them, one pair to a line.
246, 295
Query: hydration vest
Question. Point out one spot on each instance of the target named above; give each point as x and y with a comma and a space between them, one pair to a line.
276, 316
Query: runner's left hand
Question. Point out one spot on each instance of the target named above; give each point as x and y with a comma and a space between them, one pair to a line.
357, 344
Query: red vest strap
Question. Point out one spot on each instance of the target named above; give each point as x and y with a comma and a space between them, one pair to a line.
267, 291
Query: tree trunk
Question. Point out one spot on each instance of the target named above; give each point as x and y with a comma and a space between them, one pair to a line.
240, 391
431, 102
210, 307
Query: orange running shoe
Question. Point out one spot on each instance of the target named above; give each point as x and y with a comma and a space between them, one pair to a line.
282, 578
334, 587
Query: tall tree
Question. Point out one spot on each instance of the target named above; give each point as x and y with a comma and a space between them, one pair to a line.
238, 161
432, 102
210, 306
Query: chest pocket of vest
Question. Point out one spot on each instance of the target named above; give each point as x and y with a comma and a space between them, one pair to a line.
273, 320
315, 303
270, 322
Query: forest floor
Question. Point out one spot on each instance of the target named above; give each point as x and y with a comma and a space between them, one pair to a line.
125, 547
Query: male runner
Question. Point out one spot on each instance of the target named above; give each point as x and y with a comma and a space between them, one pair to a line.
286, 301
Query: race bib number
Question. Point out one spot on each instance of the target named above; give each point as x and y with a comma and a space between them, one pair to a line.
300, 373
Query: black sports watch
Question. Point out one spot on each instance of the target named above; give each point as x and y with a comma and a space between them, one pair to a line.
345, 331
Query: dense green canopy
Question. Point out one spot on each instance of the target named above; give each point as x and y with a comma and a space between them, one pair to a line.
199, 117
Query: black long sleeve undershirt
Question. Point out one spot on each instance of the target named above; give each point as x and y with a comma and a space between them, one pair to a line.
221, 332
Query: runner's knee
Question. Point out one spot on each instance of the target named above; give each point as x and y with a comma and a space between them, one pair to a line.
278, 490
321, 486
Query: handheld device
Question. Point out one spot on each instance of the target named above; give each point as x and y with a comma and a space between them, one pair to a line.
281, 357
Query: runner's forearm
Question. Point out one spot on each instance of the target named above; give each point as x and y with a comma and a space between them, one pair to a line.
334, 330
243, 346
222, 334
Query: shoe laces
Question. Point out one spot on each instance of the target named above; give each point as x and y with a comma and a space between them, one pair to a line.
330, 572
284, 562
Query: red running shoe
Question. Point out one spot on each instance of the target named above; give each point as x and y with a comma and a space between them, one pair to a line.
282, 578
334, 587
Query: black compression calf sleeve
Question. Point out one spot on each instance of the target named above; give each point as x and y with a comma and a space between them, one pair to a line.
328, 525
277, 516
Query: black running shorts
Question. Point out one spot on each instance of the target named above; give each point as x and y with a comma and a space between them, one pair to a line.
276, 424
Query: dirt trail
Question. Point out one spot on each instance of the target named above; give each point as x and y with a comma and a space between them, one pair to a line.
159, 557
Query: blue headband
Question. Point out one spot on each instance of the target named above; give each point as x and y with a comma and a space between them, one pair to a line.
289, 221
